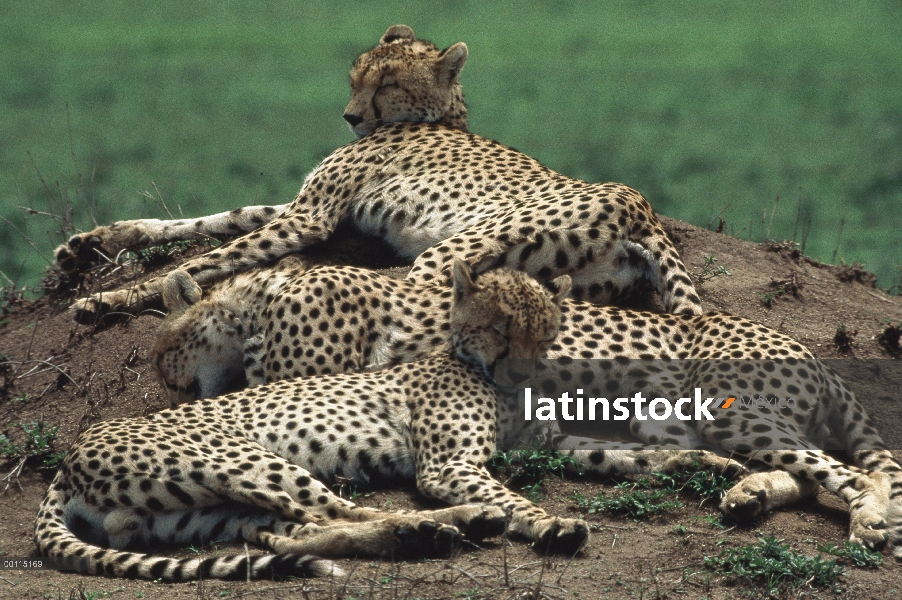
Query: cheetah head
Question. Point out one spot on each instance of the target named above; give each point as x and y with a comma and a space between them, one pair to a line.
199, 349
406, 79
503, 314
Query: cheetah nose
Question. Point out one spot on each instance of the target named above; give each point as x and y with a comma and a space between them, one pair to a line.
353, 120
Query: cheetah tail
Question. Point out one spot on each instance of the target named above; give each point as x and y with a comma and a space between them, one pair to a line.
54, 539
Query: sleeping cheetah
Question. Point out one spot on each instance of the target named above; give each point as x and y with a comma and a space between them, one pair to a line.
418, 179
337, 319
242, 466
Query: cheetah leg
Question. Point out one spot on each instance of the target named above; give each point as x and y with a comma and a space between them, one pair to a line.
279, 237
865, 493
763, 492
595, 258
88, 249
615, 458
432, 532
671, 277
288, 490
604, 267
644, 460
862, 441
461, 482
406, 534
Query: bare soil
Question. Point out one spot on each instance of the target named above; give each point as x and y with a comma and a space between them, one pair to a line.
72, 375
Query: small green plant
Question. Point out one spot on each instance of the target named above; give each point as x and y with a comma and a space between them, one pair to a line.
386, 579
356, 494
767, 298
527, 469
856, 553
710, 270
38, 445
700, 483
679, 530
772, 563
715, 521
634, 503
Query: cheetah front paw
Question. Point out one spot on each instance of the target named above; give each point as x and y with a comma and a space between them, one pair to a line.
476, 521
868, 529
88, 310
86, 250
762, 492
427, 538
708, 461
564, 536
867, 522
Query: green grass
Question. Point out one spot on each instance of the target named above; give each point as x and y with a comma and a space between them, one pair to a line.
37, 445
526, 469
772, 564
648, 496
707, 107
634, 503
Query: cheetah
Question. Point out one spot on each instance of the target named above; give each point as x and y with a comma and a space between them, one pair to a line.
247, 466
419, 180
339, 319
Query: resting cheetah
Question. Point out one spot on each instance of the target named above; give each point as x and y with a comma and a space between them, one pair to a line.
426, 184
334, 319
241, 466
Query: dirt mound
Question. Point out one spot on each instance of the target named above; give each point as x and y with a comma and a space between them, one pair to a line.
68, 374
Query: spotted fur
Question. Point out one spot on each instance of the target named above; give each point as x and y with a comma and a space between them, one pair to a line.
420, 181
244, 466
337, 319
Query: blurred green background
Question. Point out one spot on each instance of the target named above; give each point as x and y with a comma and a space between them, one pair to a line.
710, 108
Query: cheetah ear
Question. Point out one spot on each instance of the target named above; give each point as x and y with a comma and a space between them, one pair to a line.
559, 287
397, 32
463, 280
180, 291
450, 62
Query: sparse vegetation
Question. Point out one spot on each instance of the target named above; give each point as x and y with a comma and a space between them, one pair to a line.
649, 495
526, 469
710, 270
38, 444
791, 284
772, 564
855, 553
699, 483
767, 298
37, 447
636, 501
